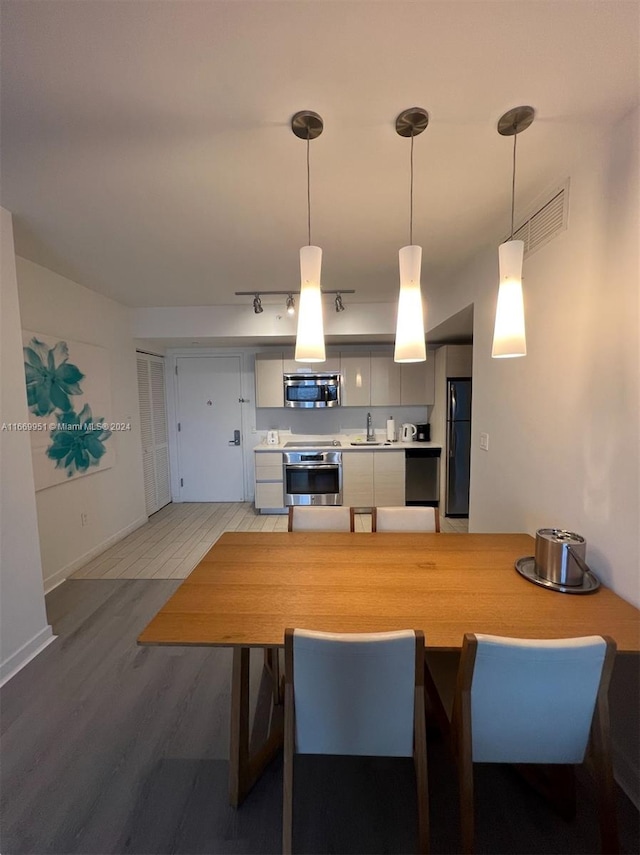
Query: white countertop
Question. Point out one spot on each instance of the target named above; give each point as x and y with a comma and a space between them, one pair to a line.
345, 441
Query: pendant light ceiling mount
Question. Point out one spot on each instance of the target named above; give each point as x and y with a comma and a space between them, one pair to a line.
307, 125
515, 121
412, 122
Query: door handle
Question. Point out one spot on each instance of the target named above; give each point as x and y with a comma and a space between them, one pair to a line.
236, 438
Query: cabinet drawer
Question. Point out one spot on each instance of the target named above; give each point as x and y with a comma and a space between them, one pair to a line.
269, 494
269, 469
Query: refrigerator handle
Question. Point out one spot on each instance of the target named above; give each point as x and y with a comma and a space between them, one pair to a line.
452, 440
452, 402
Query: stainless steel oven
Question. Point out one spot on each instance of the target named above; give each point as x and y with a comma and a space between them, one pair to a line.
312, 477
311, 390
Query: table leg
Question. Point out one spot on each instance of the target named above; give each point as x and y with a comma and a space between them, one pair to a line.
246, 767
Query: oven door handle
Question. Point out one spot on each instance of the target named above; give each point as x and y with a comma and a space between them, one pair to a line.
312, 466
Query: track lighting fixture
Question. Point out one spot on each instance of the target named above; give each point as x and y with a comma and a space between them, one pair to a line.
290, 302
509, 334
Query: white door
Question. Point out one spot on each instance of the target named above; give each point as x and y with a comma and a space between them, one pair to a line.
209, 413
153, 430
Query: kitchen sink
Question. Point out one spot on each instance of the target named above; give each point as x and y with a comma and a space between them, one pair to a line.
324, 443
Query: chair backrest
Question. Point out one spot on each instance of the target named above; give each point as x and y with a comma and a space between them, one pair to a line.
354, 693
338, 518
405, 519
531, 701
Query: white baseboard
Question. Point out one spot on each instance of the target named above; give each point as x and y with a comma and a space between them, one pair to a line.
627, 775
29, 650
61, 575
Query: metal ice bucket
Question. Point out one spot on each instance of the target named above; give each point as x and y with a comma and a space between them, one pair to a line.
560, 556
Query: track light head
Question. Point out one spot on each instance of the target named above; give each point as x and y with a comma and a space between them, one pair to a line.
257, 304
339, 303
291, 305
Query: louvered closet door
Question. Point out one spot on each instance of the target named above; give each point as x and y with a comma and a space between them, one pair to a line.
153, 430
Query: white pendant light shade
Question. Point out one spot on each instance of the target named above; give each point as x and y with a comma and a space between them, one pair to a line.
310, 335
410, 342
509, 334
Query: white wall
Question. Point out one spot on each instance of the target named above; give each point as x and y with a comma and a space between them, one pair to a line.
564, 423
23, 621
113, 499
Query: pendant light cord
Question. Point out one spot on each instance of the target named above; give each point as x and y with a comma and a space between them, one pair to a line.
411, 197
513, 183
308, 194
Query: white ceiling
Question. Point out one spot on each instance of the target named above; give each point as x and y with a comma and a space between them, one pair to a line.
147, 153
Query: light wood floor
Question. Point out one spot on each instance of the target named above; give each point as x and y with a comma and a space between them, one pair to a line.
174, 539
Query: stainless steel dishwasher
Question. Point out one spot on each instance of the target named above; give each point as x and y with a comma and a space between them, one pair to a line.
422, 477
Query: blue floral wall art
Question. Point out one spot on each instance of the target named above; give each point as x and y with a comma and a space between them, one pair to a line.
67, 382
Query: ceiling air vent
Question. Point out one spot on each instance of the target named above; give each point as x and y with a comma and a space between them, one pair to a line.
548, 220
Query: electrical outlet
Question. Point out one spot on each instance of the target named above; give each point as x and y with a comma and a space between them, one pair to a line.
84, 519
484, 441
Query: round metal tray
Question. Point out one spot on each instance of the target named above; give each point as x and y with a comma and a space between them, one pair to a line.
527, 567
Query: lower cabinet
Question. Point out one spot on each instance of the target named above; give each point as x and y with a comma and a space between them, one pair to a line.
269, 481
388, 478
372, 479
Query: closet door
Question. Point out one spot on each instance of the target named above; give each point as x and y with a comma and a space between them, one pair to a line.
153, 431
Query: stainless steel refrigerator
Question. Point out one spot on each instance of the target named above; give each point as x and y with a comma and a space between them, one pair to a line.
458, 447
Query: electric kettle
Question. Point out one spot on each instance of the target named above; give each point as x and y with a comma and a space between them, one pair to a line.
408, 432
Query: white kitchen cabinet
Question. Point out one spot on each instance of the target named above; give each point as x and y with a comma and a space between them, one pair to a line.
269, 383
357, 479
401, 384
388, 478
385, 380
371, 478
417, 382
458, 360
356, 379
269, 492
331, 363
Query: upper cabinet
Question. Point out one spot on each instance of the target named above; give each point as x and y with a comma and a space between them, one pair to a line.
401, 384
385, 380
269, 384
458, 359
418, 381
331, 364
369, 378
356, 379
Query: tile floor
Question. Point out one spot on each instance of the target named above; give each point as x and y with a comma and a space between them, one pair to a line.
175, 538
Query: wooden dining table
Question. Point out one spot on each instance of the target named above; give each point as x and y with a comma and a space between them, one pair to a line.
251, 586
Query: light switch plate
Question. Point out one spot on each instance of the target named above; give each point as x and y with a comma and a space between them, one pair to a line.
484, 441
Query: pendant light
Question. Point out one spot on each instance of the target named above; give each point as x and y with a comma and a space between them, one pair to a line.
410, 340
307, 125
509, 334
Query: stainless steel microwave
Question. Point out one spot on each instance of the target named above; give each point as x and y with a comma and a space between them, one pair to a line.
312, 390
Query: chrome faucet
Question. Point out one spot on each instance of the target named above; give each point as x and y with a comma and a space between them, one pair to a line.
370, 433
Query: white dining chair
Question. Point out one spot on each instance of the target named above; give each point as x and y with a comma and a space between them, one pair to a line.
355, 694
338, 518
405, 519
529, 701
